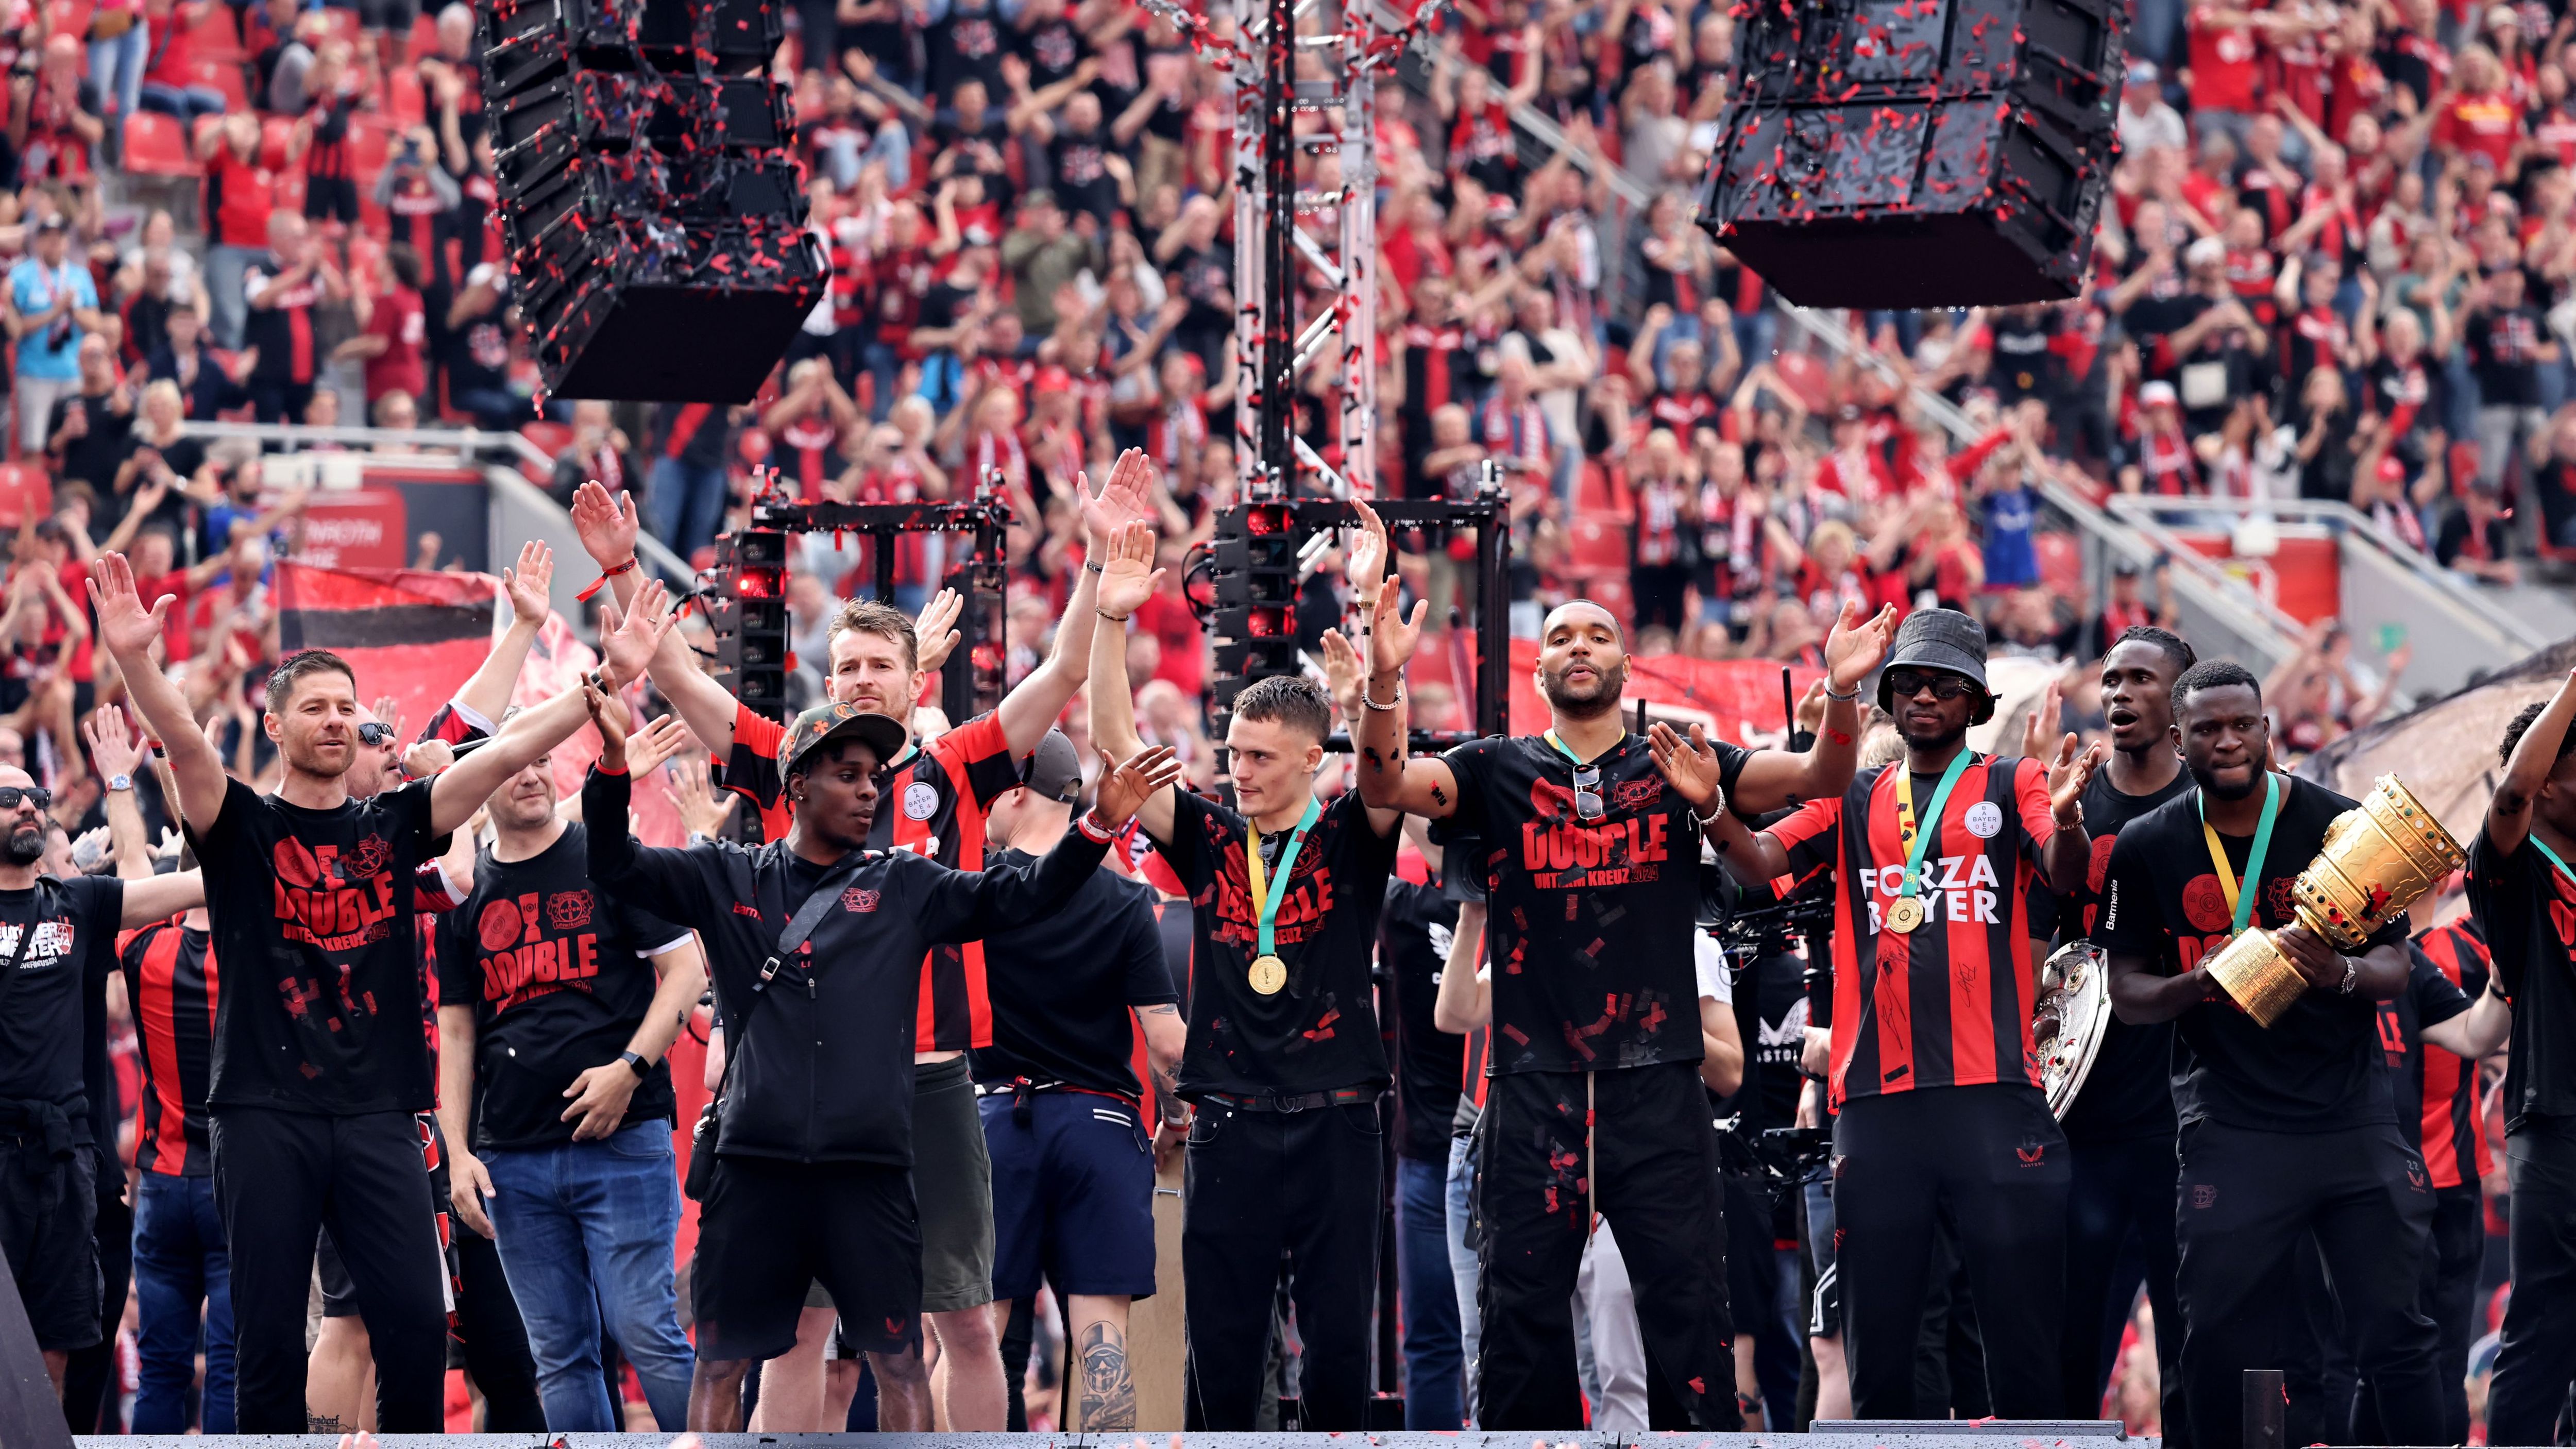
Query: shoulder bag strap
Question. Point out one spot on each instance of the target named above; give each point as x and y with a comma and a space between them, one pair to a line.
802, 925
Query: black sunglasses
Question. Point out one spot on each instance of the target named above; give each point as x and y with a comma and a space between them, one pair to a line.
376, 732
1906, 683
1587, 793
36, 795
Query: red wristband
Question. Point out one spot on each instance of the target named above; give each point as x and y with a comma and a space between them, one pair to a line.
605, 575
1092, 830
603, 767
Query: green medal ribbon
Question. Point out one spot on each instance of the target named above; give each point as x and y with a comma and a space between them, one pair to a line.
1930, 824
2240, 898
1265, 902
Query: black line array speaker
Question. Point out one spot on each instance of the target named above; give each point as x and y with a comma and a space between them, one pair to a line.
650, 193
1918, 153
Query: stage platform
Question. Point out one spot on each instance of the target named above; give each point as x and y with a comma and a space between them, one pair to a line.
1947, 1435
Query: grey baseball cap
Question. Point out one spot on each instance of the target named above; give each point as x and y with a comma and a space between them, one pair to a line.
1053, 771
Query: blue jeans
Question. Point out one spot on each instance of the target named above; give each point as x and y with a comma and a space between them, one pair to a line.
585, 1233
1433, 1367
1462, 1261
688, 504
116, 68
181, 1267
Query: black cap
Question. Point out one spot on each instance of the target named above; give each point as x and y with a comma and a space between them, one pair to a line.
1943, 639
1053, 771
825, 723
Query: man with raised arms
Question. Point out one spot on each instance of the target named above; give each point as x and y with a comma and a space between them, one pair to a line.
1592, 869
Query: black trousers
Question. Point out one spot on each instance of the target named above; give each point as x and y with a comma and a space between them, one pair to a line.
495, 1342
1650, 1167
1271, 1192
280, 1177
2246, 1200
1989, 1161
2538, 1355
87, 1373
2450, 1298
2119, 1190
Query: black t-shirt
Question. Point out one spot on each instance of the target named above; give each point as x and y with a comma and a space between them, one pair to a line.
2317, 1068
1061, 989
2429, 999
2504, 352
559, 981
2128, 1094
312, 914
1771, 1014
1591, 923
94, 455
2526, 908
2460, 536
1413, 941
42, 1026
1320, 1031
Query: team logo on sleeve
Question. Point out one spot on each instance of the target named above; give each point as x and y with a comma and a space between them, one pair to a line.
1985, 819
920, 801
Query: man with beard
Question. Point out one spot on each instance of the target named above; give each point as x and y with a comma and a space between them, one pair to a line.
1596, 1107
57, 945
941, 791
556, 1005
1283, 1063
317, 1079
813, 1171
1941, 1117
2286, 1131
2524, 894
2120, 1128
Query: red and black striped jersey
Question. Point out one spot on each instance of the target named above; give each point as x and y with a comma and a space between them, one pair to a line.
170, 984
1949, 1004
932, 803
2455, 1141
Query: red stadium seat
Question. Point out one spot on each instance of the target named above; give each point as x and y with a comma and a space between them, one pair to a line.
70, 17
26, 492
224, 76
553, 438
404, 103
1599, 542
370, 142
155, 147
212, 33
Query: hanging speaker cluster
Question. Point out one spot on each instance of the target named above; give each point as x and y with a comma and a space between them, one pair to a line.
650, 192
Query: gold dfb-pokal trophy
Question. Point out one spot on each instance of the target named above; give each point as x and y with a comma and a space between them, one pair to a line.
2377, 861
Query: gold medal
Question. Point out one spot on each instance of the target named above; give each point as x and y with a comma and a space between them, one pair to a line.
1269, 974
1904, 914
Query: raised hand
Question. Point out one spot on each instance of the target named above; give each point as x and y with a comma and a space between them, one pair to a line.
528, 583
629, 642
114, 748
1125, 496
1690, 765
1368, 553
936, 629
427, 758
1127, 573
1124, 788
1392, 636
124, 625
2068, 773
694, 796
606, 522
2040, 726
1811, 708
1343, 673
388, 713
609, 713
659, 740
1854, 648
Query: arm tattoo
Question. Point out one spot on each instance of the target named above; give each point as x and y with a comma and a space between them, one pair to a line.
1439, 796
323, 1423
1108, 1388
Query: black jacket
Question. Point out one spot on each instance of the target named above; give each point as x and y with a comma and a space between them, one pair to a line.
822, 1058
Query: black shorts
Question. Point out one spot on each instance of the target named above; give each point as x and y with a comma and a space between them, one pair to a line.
331, 198
768, 1229
1073, 1195
397, 16
47, 1211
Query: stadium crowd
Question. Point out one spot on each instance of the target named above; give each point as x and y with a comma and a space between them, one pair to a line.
2338, 262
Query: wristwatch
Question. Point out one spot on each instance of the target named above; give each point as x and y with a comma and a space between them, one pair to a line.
636, 1060
2351, 976
120, 782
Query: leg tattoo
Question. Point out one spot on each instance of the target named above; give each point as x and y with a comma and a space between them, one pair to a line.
1108, 1388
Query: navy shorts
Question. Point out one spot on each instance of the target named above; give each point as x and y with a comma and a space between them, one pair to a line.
1073, 1196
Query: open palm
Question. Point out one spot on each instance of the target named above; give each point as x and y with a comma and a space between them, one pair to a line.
124, 625
1127, 573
